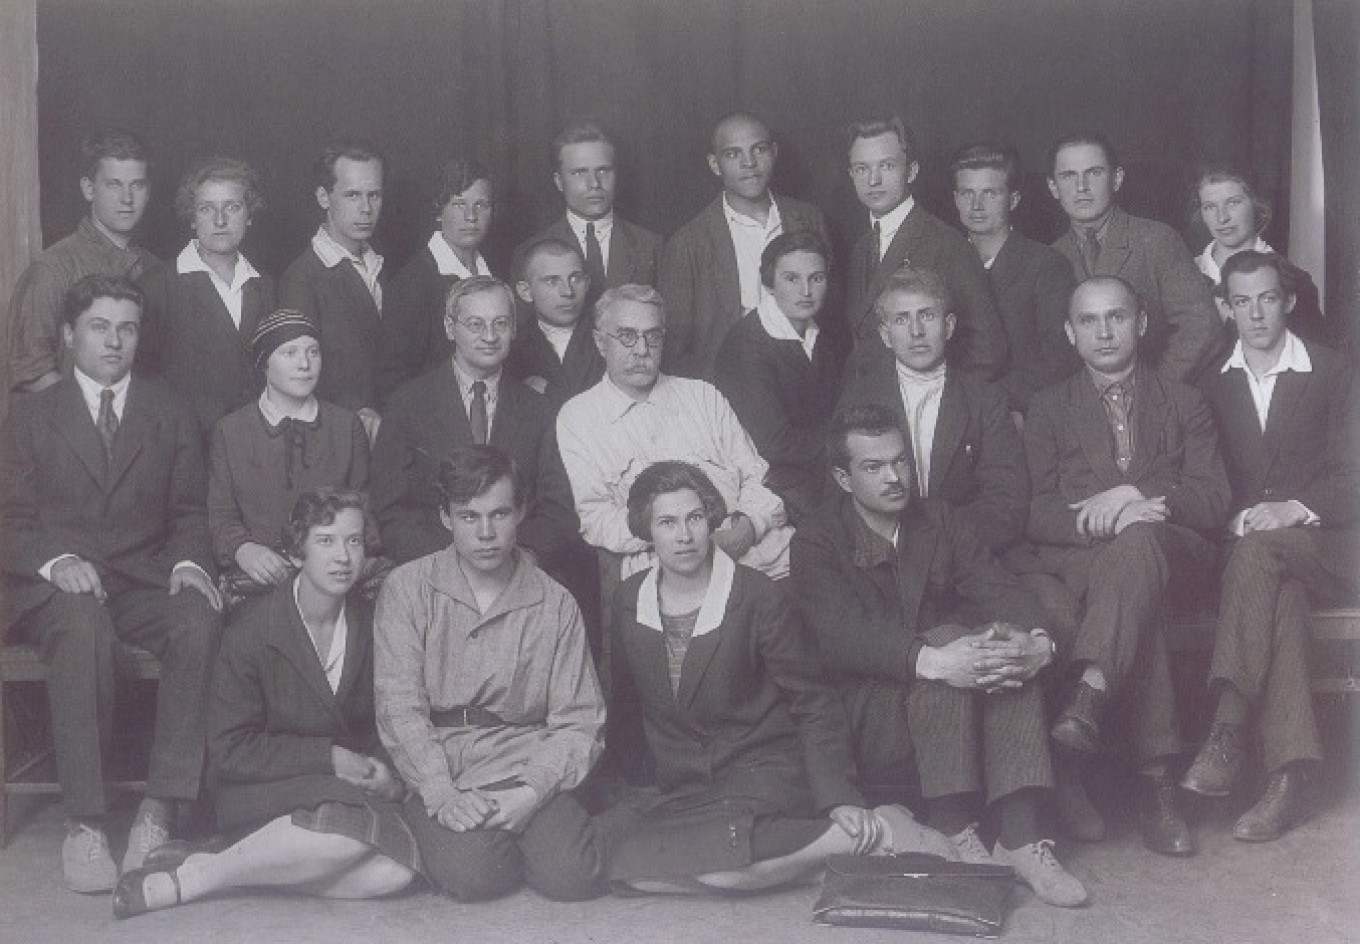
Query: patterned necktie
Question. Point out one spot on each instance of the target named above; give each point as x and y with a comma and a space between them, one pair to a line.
875, 251
477, 413
107, 422
1092, 243
594, 265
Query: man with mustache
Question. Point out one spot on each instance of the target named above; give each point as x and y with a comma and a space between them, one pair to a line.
935, 649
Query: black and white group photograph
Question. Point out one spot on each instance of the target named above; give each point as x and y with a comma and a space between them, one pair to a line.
679, 471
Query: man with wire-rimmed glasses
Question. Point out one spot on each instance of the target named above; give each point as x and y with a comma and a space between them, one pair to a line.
465, 401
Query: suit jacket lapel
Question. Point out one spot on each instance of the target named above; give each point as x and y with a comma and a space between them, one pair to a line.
1114, 251
723, 274
577, 360
358, 641
75, 426
251, 310
134, 430
950, 424
1087, 417
896, 256
1006, 266
697, 659
620, 253
295, 644
506, 420
915, 556
1149, 411
1291, 389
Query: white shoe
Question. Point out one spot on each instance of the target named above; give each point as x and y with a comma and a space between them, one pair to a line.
971, 847
86, 863
1037, 866
149, 830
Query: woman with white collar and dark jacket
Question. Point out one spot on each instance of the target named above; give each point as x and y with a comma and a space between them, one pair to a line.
303, 788
753, 766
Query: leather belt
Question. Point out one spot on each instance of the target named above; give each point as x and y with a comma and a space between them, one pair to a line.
468, 717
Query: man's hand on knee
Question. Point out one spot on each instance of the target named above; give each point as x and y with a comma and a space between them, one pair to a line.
1271, 516
1009, 656
1151, 510
1097, 515
73, 575
957, 664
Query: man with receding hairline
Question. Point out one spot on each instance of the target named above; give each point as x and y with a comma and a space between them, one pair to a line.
710, 273
1128, 487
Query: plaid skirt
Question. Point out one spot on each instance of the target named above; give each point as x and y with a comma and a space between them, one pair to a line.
380, 824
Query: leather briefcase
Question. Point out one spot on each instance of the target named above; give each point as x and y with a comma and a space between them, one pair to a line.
915, 892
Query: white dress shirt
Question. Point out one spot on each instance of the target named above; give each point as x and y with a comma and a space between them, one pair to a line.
493, 386
1210, 267
449, 264
368, 263
604, 227
749, 239
233, 293
559, 336
889, 223
778, 326
332, 661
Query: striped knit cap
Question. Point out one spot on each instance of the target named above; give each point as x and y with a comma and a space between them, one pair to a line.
278, 329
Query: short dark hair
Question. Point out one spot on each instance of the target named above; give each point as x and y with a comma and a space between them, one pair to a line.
355, 149
988, 156
1107, 280
548, 245
1262, 212
113, 144
662, 478
472, 469
580, 132
642, 294
1249, 260
88, 290
922, 280
1091, 138
889, 124
455, 176
476, 285
784, 244
321, 506
225, 169
869, 419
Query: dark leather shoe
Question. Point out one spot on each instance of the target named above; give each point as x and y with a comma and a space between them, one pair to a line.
171, 855
1218, 763
1284, 805
1078, 727
1163, 827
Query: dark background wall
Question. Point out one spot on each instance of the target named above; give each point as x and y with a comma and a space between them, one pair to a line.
1173, 83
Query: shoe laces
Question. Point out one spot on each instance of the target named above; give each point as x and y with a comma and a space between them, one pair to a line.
1043, 851
148, 832
91, 842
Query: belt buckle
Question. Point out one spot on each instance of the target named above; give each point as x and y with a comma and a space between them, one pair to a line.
462, 715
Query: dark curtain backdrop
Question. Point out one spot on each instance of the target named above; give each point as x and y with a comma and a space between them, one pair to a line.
1173, 83
1336, 28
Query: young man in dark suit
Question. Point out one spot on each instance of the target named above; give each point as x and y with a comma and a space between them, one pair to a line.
468, 400
1084, 175
106, 539
883, 165
336, 279
964, 447
616, 252
554, 349
710, 273
1032, 282
935, 649
115, 183
1289, 420
1128, 487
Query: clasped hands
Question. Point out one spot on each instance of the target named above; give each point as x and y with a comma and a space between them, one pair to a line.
489, 809
367, 773
1107, 513
999, 657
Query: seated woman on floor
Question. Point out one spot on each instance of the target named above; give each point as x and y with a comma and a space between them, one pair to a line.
301, 780
268, 452
752, 754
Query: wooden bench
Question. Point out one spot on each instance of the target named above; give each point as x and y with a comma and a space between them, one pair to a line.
21, 663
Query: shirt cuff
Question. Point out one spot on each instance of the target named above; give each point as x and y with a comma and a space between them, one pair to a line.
1236, 523
1311, 519
45, 571
189, 563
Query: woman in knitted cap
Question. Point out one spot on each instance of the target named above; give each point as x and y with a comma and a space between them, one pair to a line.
268, 452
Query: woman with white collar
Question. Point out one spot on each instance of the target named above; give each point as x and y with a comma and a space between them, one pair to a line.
754, 773
267, 453
202, 307
413, 310
1235, 214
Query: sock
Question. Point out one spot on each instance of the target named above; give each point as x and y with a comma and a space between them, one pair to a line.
1232, 706
1018, 813
1095, 678
952, 813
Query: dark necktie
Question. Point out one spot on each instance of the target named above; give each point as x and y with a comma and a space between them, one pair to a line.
875, 251
1092, 243
477, 413
107, 422
594, 265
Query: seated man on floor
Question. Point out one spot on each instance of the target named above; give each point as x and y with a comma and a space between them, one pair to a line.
106, 540
934, 647
1127, 482
637, 415
963, 445
487, 700
1289, 418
